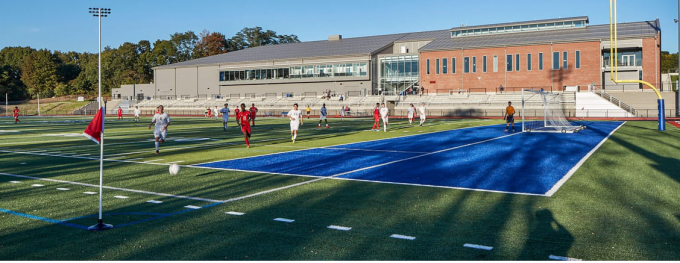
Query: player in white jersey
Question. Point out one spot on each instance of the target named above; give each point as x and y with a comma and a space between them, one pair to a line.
421, 110
225, 115
384, 115
162, 121
295, 116
137, 112
216, 112
411, 114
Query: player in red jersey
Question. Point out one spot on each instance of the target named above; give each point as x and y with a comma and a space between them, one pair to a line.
16, 114
253, 112
244, 118
120, 113
376, 118
236, 111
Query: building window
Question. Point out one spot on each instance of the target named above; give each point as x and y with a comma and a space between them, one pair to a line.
453, 65
556, 60
529, 61
495, 63
484, 64
436, 71
466, 65
508, 63
577, 58
540, 61
474, 64
445, 66
516, 62
427, 64
564, 60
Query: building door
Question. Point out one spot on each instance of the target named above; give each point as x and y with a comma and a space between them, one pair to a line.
140, 96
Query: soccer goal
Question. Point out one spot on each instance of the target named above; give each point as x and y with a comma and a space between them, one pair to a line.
542, 112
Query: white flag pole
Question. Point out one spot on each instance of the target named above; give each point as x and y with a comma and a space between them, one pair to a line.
99, 12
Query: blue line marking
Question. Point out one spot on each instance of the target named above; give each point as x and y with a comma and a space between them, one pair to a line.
44, 219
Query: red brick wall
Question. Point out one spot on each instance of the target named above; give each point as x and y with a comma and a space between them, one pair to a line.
588, 73
651, 61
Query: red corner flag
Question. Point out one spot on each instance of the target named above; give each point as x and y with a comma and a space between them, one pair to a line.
94, 130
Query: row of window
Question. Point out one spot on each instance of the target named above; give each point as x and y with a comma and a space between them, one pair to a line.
517, 28
316, 71
470, 63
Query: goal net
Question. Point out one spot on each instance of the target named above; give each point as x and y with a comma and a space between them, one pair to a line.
542, 112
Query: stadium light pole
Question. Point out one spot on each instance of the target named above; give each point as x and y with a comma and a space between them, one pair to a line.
99, 13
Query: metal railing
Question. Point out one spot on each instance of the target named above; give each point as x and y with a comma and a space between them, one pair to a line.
613, 100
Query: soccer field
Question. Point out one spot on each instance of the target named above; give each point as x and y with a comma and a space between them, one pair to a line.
451, 190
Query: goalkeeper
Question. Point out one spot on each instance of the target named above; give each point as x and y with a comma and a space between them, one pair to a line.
509, 117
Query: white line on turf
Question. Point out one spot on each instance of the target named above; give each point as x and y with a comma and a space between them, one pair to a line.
286, 220
192, 207
37, 185
90, 193
553, 257
63, 189
478, 246
154, 201
121, 197
573, 170
150, 161
397, 236
15, 182
342, 228
234, 213
115, 188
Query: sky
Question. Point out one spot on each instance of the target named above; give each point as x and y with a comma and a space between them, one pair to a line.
67, 26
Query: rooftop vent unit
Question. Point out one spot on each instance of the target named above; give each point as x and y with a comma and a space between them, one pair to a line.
334, 37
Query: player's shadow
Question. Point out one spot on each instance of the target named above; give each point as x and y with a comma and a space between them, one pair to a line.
546, 237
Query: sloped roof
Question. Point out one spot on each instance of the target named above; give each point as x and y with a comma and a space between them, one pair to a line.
552, 20
590, 33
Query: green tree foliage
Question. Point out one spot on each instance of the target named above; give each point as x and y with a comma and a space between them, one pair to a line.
25, 71
669, 62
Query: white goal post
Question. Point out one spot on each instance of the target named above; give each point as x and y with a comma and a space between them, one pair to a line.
548, 113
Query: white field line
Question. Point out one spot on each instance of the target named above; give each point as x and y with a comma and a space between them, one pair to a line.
344, 144
553, 257
402, 237
115, 188
234, 213
573, 170
478, 246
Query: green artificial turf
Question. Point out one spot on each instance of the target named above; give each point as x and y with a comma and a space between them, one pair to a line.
622, 204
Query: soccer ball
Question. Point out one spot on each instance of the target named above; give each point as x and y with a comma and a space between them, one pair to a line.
174, 169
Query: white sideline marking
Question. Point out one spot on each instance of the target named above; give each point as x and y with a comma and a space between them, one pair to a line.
284, 220
152, 161
134, 159
402, 237
234, 213
553, 257
37, 185
154, 202
116, 188
121, 197
177, 162
90, 193
343, 228
15, 182
9, 131
117, 157
192, 207
63, 189
478, 246
573, 170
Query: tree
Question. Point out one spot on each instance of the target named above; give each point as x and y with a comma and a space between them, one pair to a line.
210, 44
10, 83
39, 73
669, 62
163, 53
254, 37
184, 43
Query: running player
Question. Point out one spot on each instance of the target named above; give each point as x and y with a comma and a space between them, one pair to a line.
216, 112
208, 112
16, 115
225, 115
384, 115
323, 116
295, 117
238, 121
162, 121
342, 113
253, 113
120, 113
376, 118
411, 114
421, 110
137, 112
509, 116
244, 120
308, 111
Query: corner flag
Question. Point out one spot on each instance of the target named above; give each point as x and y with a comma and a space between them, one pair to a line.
94, 130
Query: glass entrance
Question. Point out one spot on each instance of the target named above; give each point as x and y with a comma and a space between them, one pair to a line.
397, 74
